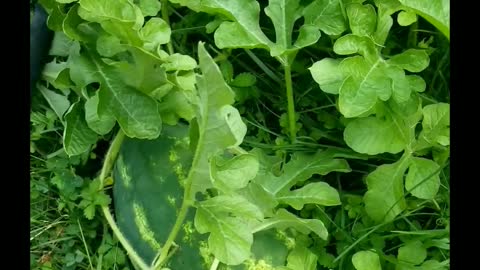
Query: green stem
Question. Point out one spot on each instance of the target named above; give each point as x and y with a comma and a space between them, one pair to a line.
291, 106
412, 36
111, 156
167, 20
182, 214
162, 257
126, 245
215, 264
107, 166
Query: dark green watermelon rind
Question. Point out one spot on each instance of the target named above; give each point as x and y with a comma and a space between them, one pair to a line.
148, 194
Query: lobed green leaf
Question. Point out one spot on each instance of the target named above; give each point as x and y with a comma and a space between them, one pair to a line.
218, 124
366, 260
300, 168
384, 199
423, 179
316, 193
136, 113
77, 136
284, 219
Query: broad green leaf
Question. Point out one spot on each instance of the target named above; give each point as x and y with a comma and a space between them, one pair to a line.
241, 29
362, 19
186, 80
441, 155
108, 45
123, 11
359, 92
146, 73
213, 25
56, 17
66, 1
260, 197
59, 103
269, 164
417, 83
307, 35
225, 204
406, 18
77, 136
283, 14
390, 5
412, 60
244, 29
284, 219
178, 61
437, 12
328, 75
219, 124
48, 5
120, 18
101, 124
373, 136
82, 69
436, 126
301, 258
149, 7
353, 44
423, 178
412, 252
70, 25
366, 260
61, 44
301, 167
384, 199
230, 237
194, 5
155, 32
392, 130
136, 113
234, 35
401, 90
326, 15
57, 74
175, 105
235, 173
244, 80
406, 115
385, 9
435, 116
362, 79
317, 193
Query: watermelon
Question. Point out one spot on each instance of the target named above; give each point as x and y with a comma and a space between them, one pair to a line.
148, 194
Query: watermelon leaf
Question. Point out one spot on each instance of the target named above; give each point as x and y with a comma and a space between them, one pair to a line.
230, 237
219, 123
